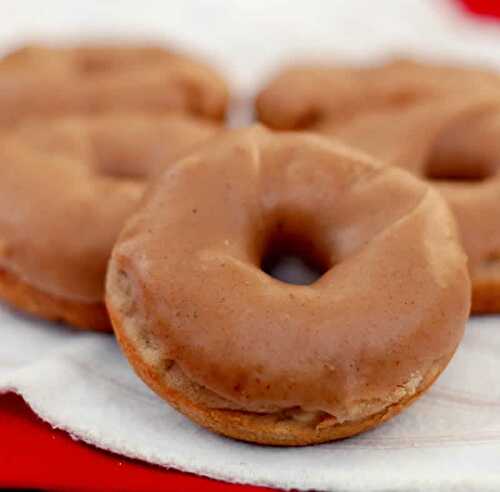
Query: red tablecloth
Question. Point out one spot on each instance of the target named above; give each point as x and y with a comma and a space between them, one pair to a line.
33, 455
487, 8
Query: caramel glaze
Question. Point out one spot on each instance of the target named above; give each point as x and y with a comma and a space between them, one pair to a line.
43, 81
453, 144
66, 187
303, 96
393, 301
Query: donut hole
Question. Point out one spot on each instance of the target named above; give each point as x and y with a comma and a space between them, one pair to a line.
294, 255
94, 66
116, 160
458, 170
466, 151
121, 169
95, 61
492, 260
92, 62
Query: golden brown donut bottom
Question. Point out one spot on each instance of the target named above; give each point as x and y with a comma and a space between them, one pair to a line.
22, 296
67, 186
39, 81
292, 428
254, 358
454, 145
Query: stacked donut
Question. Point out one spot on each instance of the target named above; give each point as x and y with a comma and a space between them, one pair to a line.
125, 204
82, 131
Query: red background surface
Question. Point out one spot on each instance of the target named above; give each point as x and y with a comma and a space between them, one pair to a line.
487, 8
33, 455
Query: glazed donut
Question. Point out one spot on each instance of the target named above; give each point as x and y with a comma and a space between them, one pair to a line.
41, 81
455, 146
304, 97
258, 359
66, 187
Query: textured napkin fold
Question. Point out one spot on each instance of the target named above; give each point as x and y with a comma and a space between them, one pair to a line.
448, 440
